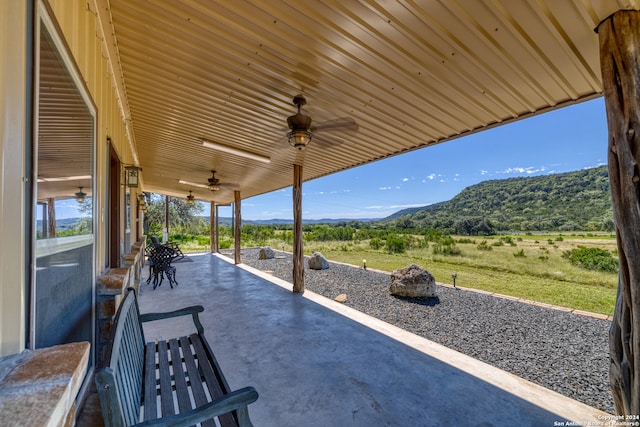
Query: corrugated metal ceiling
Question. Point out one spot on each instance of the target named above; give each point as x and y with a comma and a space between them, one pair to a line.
409, 73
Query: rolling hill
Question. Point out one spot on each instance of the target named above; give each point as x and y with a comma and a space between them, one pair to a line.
570, 201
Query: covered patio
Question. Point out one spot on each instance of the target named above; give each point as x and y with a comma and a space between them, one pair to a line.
316, 362
108, 100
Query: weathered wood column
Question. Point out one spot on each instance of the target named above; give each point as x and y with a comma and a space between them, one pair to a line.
212, 227
51, 223
165, 233
237, 227
620, 61
217, 246
298, 251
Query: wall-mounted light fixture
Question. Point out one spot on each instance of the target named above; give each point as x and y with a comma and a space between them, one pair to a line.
131, 175
80, 196
141, 203
236, 151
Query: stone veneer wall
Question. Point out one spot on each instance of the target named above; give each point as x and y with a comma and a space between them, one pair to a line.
111, 289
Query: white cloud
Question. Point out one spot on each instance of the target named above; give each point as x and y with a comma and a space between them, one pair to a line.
412, 205
405, 179
385, 188
520, 170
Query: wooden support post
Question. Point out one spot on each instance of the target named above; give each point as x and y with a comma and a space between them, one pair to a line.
217, 246
620, 62
51, 224
165, 234
298, 251
237, 227
212, 229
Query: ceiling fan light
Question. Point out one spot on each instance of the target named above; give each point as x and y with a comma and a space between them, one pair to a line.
190, 198
299, 138
214, 187
80, 195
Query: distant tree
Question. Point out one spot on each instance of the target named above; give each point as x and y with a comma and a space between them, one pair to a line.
478, 226
183, 217
405, 222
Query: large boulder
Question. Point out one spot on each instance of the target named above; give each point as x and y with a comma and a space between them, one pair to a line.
266, 253
414, 282
317, 262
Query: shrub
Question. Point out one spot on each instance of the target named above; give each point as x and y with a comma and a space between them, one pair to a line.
395, 245
446, 249
592, 259
519, 254
483, 246
507, 239
376, 243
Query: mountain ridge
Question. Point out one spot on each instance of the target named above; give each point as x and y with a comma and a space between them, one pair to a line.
578, 200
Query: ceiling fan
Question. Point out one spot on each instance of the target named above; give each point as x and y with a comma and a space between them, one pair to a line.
213, 183
301, 132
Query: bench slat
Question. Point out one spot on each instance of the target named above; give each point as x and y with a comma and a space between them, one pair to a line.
166, 395
213, 379
194, 377
128, 368
179, 374
150, 383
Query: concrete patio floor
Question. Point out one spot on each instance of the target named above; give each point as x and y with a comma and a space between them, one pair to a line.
316, 362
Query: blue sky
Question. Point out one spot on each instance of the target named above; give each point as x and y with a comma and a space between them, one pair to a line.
564, 140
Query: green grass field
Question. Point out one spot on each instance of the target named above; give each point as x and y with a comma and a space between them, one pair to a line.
524, 266
538, 273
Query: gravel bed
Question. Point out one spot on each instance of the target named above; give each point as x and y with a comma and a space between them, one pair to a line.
561, 351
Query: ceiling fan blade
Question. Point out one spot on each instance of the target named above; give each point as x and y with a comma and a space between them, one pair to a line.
193, 184
229, 185
342, 124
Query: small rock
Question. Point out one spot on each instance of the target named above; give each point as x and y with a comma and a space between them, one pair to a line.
317, 262
266, 253
342, 298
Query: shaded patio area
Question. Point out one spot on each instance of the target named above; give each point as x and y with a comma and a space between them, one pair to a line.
316, 362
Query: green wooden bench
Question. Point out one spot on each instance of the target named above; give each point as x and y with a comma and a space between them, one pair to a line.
176, 382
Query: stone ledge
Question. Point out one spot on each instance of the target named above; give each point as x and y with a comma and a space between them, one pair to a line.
114, 281
42, 387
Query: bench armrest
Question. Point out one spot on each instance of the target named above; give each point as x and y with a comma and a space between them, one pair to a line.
193, 311
235, 400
